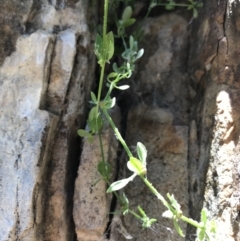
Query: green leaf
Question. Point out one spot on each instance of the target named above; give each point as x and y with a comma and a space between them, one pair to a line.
142, 152
109, 103
99, 49
82, 133
115, 67
129, 22
112, 76
195, 12
94, 120
93, 113
174, 203
204, 216
127, 13
131, 42
94, 98
140, 54
120, 184
104, 169
201, 234
136, 166
178, 229
109, 45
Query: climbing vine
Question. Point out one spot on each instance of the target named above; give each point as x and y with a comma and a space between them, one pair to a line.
105, 50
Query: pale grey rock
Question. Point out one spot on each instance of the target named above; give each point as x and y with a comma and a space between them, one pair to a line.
45, 84
61, 70
23, 78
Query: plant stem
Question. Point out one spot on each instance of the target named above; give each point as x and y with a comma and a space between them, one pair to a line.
105, 18
100, 85
134, 214
115, 129
166, 204
101, 146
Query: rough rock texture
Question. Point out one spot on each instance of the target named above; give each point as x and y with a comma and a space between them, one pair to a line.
159, 120
24, 128
13, 16
183, 104
91, 202
214, 142
45, 83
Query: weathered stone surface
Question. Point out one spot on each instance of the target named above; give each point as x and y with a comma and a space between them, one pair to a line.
214, 172
45, 84
160, 122
13, 16
26, 131
61, 70
91, 202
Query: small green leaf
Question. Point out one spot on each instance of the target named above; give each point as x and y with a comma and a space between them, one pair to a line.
142, 152
129, 22
109, 103
135, 165
112, 76
109, 46
131, 42
195, 12
201, 234
140, 54
174, 203
94, 98
127, 13
99, 50
95, 123
115, 67
104, 169
82, 133
178, 229
120, 184
93, 113
204, 216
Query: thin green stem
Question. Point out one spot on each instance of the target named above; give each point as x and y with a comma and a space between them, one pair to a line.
105, 19
135, 214
166, 204
191, 221
119, 136
101, 146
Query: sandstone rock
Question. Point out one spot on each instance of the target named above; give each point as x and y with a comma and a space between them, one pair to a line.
91, 202
160, 122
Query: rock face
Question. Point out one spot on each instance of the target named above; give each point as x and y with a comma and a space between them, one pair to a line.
214, 146
183, 104
44, 85
159, 120
92, 204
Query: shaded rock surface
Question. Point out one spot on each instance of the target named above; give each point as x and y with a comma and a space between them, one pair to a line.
159, 119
